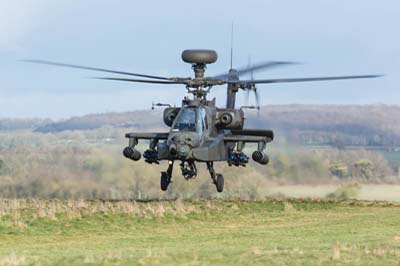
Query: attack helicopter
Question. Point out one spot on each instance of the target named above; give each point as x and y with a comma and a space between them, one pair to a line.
201, 132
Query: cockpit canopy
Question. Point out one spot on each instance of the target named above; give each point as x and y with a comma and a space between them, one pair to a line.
186, 120
190, 119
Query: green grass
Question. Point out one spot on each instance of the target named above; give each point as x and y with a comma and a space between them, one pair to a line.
294, 232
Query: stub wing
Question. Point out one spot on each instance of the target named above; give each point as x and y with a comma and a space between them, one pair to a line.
150, 135
250, 135
237, 138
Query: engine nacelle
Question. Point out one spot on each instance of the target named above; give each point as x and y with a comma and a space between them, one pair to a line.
230, 119
260, 157
170, 115
132, 153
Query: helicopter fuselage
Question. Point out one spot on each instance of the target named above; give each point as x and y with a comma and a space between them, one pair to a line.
201, 132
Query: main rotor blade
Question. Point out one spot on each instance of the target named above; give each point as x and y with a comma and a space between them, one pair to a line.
247, 97
94, 69
268, 81
257, 96
256, 67
142, 80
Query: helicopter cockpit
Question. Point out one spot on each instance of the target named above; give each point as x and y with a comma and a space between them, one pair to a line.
190, 119
185, 121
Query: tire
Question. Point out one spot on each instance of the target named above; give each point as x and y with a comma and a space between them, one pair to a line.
164, 182
220, 183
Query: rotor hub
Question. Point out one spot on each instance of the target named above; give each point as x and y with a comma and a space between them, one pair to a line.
199, 70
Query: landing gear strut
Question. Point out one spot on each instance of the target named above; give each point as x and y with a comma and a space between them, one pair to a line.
218, 179
166, 176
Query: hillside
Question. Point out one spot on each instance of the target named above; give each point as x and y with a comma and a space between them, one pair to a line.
337, 125
141, 120
360, 125
9, 124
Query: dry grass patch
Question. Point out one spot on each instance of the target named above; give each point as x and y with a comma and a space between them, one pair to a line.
14, 260
35, 209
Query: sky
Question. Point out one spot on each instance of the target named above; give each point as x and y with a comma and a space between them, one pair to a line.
331, 37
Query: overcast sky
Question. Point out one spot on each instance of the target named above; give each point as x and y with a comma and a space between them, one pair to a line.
332, 37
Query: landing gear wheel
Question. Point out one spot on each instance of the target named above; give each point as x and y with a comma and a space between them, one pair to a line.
165, 180
219, 182
166, 176
217, 179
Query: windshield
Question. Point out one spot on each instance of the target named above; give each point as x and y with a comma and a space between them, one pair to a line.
186, 120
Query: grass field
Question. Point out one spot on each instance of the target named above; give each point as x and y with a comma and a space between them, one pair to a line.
271, 232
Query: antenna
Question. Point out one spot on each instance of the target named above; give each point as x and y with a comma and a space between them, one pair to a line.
232, 46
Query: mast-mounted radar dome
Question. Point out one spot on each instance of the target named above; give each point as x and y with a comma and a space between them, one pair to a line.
199, 56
